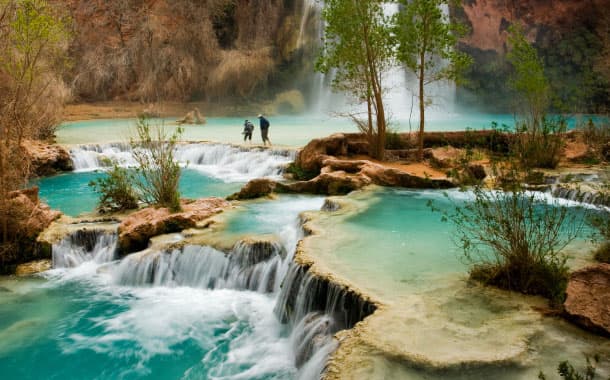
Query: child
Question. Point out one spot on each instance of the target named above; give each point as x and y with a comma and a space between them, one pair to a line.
248, 129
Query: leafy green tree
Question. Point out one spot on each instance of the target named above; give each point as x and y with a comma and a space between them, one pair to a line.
427, 42
528, 80
357, 45
539, 140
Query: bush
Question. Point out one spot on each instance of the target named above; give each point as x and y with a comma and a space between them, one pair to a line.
514, 239
540, 148
299, 173
600, 221
597, 138
116, 191
158, 173
567, 371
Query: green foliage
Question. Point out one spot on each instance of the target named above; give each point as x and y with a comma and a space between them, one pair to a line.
540, 147
116, 191
158, 172
426, 37
568, 372
299, 173
600, 222
357, 46
514, 239
597, 138
393, 140
528, 80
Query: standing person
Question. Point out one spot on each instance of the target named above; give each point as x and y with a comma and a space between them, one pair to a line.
264, 124
248, 129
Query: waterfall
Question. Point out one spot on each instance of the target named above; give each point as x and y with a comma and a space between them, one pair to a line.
401, 87
84, 246
312, 307
226, 162
249, 266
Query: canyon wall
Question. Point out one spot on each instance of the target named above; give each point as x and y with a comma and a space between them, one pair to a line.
571, 36
183, 50
240, 50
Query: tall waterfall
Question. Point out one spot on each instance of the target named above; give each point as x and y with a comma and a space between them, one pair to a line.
226, 162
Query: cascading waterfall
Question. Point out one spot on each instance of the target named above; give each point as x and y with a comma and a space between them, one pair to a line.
84, 246
226, 162
313, 308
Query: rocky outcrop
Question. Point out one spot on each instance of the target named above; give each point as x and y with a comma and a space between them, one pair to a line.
588, 298
311, 157
137, 229
28, 217
256, 188
48, 159
192, 117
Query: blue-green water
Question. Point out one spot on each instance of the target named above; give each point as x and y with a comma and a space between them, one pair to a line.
72, 327
291, 131
71, 194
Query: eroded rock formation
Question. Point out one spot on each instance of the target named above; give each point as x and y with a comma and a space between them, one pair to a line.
29, 218
588, 298
48, 159
136, 230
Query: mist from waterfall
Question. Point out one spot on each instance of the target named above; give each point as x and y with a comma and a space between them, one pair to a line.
401, 88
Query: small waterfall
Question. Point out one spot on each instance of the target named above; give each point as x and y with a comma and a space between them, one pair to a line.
84, 246
249, 266
595, 198
226, 162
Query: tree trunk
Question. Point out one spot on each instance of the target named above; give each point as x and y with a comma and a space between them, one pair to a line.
422, 107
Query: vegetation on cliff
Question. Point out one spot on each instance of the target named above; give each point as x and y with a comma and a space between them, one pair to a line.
33, 42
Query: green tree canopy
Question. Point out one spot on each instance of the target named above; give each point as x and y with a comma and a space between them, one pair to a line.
357, 47
427, 41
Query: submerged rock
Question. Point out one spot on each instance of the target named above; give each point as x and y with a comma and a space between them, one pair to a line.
588, 298
136, 230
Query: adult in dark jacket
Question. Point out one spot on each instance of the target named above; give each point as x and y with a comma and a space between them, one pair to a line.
264, 124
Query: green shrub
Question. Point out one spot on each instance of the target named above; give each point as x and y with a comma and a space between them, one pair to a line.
116, 190
597, 138
600, 221
299, 173
567, 371
158, 172
540, 148
514, 239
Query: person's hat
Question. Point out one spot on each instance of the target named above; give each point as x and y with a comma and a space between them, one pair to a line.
260, 115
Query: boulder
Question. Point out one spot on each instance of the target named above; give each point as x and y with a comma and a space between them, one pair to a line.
256, 188
192, 117
331, 183
48, 159
33, 267
443, 157
28, 218
588, 298
310, 158
137, 229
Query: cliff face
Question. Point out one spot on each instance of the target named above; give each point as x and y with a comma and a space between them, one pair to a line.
238, 50
568, 34
180, 49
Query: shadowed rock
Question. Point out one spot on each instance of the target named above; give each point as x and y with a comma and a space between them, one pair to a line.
588, 298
